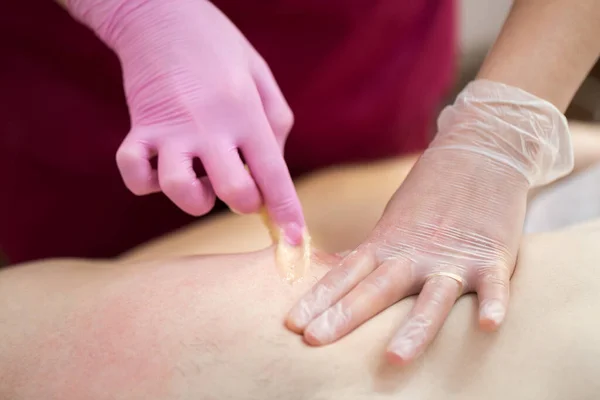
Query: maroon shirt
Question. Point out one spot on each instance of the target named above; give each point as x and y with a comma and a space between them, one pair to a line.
364, 78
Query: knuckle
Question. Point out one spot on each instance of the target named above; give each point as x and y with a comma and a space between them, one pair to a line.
340, 315
126, 156
318, 300
286, 207
438, 296
492, 279
380, 284
344, 277
285, 203
230, 91
174, 184
270, 167
233, 89
492, 275
260, 62
282, 120
138, 185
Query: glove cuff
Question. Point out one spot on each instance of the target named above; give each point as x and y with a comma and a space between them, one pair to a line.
511, 126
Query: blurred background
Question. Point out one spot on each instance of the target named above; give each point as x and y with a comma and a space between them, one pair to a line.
481, 21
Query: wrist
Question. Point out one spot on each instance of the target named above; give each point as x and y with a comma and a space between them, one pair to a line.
510, 126
118, 23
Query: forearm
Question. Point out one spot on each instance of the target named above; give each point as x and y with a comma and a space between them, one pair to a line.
546, 47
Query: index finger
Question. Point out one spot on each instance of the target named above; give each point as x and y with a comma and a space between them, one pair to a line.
270, 172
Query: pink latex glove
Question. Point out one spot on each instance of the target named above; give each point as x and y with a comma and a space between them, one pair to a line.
454, 226
197, 88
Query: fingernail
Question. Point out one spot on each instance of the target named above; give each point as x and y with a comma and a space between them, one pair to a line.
293, 234
323, 329
492, 311
410, 336
403, 348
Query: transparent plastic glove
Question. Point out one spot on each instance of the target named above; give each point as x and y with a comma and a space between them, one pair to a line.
196, 88
454, 225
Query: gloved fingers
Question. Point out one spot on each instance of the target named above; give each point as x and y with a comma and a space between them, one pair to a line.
269, 170
493, 289
331, 288
417, 331
179, 182
133, 160
230, 179
390, 282
277, 110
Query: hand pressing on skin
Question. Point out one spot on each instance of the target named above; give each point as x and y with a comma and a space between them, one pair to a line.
196, 88
454, 225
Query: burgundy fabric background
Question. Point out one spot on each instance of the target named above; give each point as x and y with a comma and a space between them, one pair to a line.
364, 78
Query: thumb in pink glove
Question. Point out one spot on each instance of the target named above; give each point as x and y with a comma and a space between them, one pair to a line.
196, 88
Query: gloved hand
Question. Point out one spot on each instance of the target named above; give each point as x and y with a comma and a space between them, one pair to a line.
454, 226
197, 88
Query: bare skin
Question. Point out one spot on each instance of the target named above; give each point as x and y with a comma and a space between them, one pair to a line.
174, 329
546, 47
148, 327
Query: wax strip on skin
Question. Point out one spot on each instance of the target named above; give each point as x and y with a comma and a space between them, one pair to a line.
266, 220
292, 262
